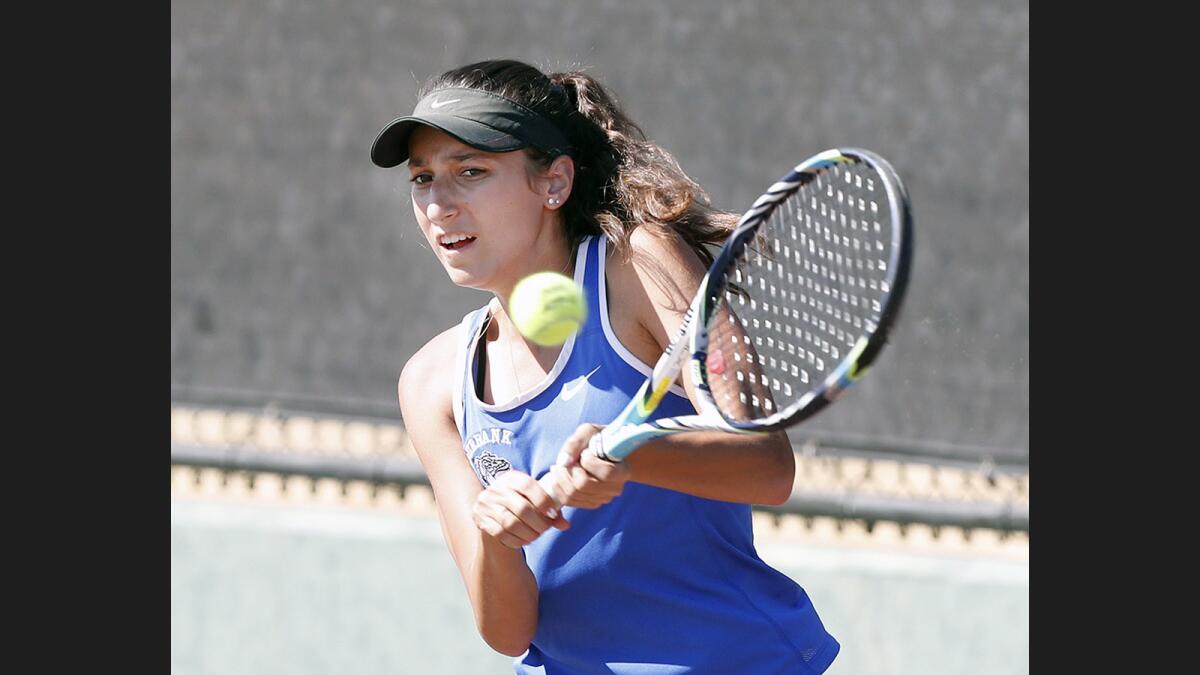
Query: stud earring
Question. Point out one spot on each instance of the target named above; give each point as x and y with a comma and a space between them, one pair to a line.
552, 201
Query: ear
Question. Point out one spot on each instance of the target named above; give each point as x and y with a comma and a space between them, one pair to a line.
560, 178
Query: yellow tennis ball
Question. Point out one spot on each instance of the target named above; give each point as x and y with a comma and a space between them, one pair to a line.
547, 308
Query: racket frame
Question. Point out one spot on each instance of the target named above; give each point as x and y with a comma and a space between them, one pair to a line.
631, 428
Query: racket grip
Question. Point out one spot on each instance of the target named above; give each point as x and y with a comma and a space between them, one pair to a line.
550, 486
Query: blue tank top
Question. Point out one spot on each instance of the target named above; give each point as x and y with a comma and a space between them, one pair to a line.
656, 581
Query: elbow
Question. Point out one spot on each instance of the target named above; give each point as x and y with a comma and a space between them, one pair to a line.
512, 650
777, 494
507, 615
506, 635
507, 644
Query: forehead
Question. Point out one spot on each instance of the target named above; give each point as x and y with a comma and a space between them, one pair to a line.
427, 144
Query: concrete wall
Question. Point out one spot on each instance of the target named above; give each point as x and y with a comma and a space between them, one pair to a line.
297, 268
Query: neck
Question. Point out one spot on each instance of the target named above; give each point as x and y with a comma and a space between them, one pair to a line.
549, 253
503, 331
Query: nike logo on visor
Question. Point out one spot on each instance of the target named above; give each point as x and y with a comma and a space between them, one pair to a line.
438, 104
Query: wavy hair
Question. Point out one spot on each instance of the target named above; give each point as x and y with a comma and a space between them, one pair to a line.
622, 180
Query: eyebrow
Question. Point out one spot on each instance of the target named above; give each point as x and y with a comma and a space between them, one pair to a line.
460, 157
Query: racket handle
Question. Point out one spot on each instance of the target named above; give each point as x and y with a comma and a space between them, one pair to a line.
550, 486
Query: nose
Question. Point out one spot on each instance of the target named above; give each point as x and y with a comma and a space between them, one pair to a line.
442, 204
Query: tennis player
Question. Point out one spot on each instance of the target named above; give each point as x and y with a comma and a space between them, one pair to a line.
650, 567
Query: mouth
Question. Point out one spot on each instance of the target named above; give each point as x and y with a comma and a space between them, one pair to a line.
455, 242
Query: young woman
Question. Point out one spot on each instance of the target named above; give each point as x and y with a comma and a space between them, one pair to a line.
650, 567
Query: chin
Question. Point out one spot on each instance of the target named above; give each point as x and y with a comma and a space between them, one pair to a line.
464, 278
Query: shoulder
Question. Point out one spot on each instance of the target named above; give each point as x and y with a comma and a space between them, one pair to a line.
425, 390
656, 276
427, 377
658, 256
664, 246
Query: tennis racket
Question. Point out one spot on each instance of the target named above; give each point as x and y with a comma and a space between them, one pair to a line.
796, 306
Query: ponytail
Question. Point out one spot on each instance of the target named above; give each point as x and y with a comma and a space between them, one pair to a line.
622, 180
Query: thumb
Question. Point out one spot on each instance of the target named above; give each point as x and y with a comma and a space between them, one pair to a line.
573, 448
570, 452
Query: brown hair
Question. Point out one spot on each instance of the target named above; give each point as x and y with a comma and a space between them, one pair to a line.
621, 179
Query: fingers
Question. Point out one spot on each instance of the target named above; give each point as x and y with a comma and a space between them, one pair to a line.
515, 510
564, 486
543, 502
530, 503
603, 469
576, 443
505, 528
585, 489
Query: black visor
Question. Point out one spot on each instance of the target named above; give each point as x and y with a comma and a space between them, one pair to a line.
480, 119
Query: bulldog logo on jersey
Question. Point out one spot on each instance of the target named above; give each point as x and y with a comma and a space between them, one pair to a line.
488, 466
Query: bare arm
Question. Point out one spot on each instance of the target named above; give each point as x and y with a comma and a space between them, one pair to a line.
484, 529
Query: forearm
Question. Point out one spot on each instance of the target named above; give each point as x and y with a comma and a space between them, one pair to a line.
500, 586
716, 465
504, 595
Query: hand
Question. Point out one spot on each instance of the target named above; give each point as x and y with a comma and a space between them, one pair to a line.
582, 479
515, 510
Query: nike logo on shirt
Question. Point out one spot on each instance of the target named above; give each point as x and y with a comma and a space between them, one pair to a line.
571, 388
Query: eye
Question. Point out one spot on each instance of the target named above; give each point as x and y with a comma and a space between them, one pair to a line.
421, 179
473, 172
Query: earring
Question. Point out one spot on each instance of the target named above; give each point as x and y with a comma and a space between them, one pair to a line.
553, 201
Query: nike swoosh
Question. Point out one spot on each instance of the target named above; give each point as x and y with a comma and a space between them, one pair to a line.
570, 389
438, 104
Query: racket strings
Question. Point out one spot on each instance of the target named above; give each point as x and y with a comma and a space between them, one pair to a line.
811, 283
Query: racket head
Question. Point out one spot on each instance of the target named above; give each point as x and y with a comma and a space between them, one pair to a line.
801, 299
